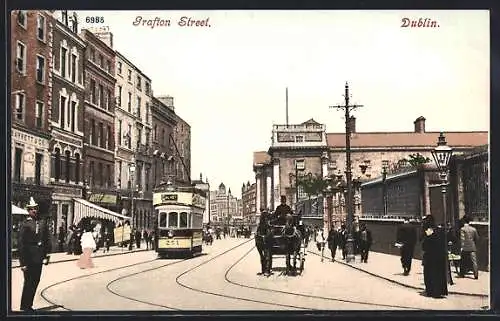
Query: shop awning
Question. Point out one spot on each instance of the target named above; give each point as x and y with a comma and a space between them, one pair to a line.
18, 211
85, 208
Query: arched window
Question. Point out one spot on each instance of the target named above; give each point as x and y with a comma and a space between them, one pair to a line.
68, 159
77, 168
57, 164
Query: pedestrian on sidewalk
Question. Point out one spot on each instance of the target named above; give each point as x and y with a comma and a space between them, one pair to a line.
61, 237
88, 246
34, 246
468, 240
365, 241
77, 241
343, 240
407, 238
435, 259
145, 236
320, 239
138, 238
107, 241
333, 239
70, 240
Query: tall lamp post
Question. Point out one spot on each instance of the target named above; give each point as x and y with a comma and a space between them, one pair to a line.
132, 224
442, 155
349, 202
384, 186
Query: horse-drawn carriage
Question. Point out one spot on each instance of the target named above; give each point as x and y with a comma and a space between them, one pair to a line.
273, 239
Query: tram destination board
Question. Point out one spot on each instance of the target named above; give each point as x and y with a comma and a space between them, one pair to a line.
166, 198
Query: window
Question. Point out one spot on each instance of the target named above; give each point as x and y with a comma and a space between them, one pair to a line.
147, 178
139, 136
21, 57
163, 136
119, 174
147, 89
92, 54
129, 76
129, 136
64, 53
147, 113
163, 220
101, 61
92, 133
100, 138
109, 101
62, 110
77, 168
129, 102
57, 164
73, 115
108, 66
119, 132
147, 136
101, 96
18, 162
299, 139
183, 220
139, 85
91, 173
109, 139
38, 168
139, 107
119, 67
40, 69
119, 101
39, 114
73, 68
21, 18
68, 159
20, 103
139, 176
100, 174
93, 97
108, 171
172, 219
155, 128
40, 27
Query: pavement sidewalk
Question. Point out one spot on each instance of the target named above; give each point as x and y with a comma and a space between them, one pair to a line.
63, 257
388, 267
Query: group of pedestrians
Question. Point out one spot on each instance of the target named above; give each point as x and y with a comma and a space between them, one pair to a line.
438, 245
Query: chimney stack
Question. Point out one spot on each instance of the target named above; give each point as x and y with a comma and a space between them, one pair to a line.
419, 125
167, 100
352, 124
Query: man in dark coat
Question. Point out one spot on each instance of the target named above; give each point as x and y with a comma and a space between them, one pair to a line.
434, 259
145, 236
468, 240
138, 238
343, 240
407, 238
34, 247
365, 242
333, 239
281, 212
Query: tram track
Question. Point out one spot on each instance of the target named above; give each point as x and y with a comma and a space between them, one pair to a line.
226, 277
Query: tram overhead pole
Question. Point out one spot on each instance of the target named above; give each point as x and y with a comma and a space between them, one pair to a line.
346, 108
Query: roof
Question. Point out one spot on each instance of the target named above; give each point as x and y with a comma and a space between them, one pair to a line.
261, 158
407, 139
310, 121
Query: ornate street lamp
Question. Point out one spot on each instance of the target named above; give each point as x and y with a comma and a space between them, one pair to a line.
442, 155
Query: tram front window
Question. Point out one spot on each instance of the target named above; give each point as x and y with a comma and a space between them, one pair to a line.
163, 219
183, 220
172, 219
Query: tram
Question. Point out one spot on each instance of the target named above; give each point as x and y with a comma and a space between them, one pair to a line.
179, 219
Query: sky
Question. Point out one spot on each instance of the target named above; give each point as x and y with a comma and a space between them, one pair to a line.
228, 79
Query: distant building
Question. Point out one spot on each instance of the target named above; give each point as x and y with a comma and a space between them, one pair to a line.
308, 148
223, 206
205, 187
248, 197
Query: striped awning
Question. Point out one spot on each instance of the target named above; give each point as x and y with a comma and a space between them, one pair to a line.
85, 208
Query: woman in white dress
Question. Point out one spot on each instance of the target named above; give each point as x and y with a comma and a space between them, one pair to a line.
88, 246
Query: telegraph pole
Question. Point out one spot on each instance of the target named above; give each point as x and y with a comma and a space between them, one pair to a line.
349, 202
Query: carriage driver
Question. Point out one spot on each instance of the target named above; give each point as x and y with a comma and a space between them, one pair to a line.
281, 212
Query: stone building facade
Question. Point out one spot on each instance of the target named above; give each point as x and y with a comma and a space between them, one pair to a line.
223, 206
30, 96
99, 143
66, 116
321, 153
164, 122
182, 153
248, 197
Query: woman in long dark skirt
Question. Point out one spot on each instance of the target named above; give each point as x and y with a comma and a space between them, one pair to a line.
434, 259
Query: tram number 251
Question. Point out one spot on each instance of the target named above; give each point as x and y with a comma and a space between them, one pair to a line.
169, 243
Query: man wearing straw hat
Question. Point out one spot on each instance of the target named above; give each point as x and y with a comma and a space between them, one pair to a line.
34, 246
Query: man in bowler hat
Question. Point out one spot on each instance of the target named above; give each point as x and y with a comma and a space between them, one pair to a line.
34, 246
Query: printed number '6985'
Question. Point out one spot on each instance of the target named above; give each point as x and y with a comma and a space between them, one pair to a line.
94, 19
